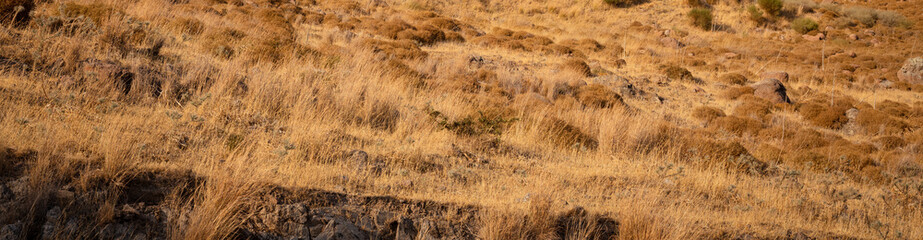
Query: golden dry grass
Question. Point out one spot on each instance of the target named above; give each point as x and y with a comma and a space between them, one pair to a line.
518, 108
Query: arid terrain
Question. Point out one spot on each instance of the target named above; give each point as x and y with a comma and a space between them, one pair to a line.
476, 119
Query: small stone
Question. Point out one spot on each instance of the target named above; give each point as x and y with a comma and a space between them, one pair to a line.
854, 37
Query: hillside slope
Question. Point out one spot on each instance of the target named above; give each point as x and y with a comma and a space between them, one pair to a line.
537, 119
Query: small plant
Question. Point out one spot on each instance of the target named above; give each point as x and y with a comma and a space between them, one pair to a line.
771, 7
804, 25
755, 14
701, 18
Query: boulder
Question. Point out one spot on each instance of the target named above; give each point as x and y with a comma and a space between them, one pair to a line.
771, 90
781, 76
912, 71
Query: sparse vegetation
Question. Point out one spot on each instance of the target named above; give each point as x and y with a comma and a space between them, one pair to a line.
771, 7
755, 14
804, 25
227, 119
701, 18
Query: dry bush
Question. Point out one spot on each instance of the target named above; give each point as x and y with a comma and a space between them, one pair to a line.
889, 142
824, 115
185, 25
400, 49
599, 96
676, 73
381, 115
564, 134
578, 66
640, 224
806, 139
878, 123
98, 12
895, 109
737, 125
215, 211
221, 42
752, 107
768, 153
733, 79
707, 114
538, 223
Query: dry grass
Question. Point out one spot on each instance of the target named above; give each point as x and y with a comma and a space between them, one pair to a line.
555, 119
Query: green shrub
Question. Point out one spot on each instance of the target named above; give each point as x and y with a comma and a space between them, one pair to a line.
804, 25
701, 18
772, 7
755, 14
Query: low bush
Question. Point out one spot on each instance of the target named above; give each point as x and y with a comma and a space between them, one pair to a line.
676, 72
701, 18
598, 96
564, 134
733, 79
755, 14
578, 66
707, 113
804, 25
771, 7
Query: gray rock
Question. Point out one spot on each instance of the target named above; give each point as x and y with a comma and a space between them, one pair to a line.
771, 90
912, 71
341, 229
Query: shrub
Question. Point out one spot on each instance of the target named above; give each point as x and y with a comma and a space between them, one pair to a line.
752, 107
578, 66
876, 122
755, 14
733, 78
701, 18
832, 117
893, 19
599, 96
676, 72
804, 25
707, 113
771, 7
737, 125
564, 134
736, 92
